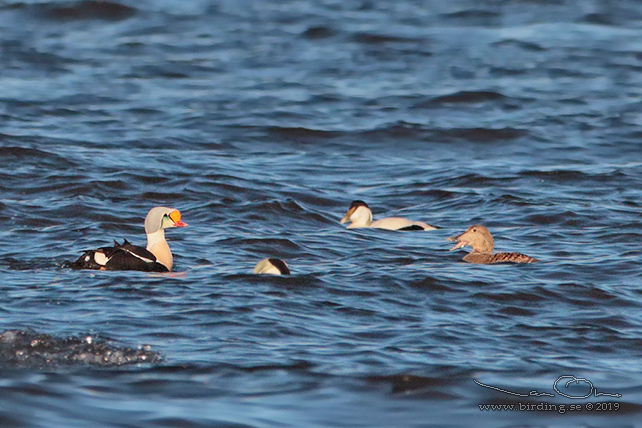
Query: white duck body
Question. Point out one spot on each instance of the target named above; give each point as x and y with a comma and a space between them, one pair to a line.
360, 215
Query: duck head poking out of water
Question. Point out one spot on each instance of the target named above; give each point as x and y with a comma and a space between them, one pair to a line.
272, 267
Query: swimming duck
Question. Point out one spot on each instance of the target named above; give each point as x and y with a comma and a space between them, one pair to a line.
156, 257
359, 215
272, 266
479, 238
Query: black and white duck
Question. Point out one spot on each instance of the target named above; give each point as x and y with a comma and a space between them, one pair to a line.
359, 215
156, 257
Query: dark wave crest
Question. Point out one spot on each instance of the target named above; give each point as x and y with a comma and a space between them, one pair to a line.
86, 10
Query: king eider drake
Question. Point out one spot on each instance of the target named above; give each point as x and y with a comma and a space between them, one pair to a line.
479, 238
156, 257
359, 215
272, 267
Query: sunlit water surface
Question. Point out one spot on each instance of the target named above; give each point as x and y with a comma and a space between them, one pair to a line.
261, 121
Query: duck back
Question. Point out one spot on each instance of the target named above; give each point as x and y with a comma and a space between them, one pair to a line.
499, 258
123, 256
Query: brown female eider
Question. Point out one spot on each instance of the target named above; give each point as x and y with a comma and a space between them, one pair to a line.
479, 238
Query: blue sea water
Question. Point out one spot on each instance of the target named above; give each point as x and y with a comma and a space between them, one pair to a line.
261, 122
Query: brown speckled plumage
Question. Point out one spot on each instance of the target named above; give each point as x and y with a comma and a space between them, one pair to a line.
479, 238
499, 258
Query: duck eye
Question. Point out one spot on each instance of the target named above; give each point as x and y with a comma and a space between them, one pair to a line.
474, 229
